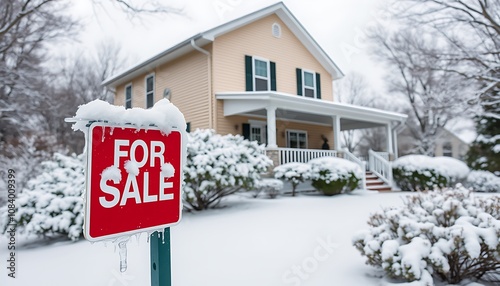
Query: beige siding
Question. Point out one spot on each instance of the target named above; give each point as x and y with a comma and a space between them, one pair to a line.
314, 132
187, 78
256, 39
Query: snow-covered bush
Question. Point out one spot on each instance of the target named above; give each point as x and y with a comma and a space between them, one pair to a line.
218, 166
51, 203
449, 234
295, 173
419, 172
483, 181
332, 175
271, 187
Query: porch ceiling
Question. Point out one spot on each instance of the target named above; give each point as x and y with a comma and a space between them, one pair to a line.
301, 109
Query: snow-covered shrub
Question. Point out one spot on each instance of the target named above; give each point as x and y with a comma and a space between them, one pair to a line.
218, 166
332, 175
419, 172
295, 173
51, 203
483, 181
449, 234
271, 187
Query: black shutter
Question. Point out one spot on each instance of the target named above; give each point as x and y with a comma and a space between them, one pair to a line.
188, 127
266, 136
318, 86
273, 75
246, 130
299, 81
248, 73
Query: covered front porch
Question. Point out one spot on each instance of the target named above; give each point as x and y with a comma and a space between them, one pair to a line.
294, 123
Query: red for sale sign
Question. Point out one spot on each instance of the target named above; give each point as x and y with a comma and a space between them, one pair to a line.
133, 180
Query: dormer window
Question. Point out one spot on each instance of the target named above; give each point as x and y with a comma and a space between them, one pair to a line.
260, 74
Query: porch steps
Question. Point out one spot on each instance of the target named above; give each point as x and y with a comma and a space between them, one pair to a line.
374, 183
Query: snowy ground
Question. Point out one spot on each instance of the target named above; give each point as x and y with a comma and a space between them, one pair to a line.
287, 241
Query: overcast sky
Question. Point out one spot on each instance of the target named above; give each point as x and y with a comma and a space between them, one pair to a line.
337, 25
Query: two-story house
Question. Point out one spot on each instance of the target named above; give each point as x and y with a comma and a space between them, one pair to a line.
262, 76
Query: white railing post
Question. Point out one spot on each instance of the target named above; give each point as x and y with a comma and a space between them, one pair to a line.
380, 166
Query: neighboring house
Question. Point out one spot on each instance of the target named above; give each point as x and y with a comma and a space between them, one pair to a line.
262, 76
449, 144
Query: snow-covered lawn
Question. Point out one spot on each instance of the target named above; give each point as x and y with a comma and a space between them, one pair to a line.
285, 241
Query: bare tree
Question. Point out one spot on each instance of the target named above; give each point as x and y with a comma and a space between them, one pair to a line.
33, 100
471, 28
353, 89
416, 73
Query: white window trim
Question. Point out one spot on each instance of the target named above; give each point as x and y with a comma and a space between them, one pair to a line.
254, 76
304, 82
277, 27
297, 131
131, 91
146, 88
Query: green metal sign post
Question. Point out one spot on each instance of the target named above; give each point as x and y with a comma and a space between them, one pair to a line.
161, 268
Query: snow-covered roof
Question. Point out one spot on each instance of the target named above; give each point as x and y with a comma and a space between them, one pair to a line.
463, 129
209, 36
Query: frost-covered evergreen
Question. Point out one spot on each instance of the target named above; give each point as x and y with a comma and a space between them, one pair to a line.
484, 152
51, 203
295, 173
271, 188
483, 181
218, 166
447, 234
420, 172
332, 175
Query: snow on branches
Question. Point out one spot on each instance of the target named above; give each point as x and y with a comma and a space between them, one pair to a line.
218, 166
448, 234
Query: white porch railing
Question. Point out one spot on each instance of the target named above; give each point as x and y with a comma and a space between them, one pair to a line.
379, 164
351, 157
384, 155
288, 155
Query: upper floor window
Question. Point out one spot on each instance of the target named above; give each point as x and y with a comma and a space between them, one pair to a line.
308, 83
150, 90
260, 74
128, 96
447, 149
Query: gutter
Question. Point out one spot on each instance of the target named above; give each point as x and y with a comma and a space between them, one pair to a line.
212, 122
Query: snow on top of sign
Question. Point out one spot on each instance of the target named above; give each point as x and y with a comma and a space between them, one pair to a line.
132, 168
112, 173
167, 170
163, 115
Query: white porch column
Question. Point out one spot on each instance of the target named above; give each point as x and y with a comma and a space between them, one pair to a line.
336, 132
271, 127
390, 148
395, 140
